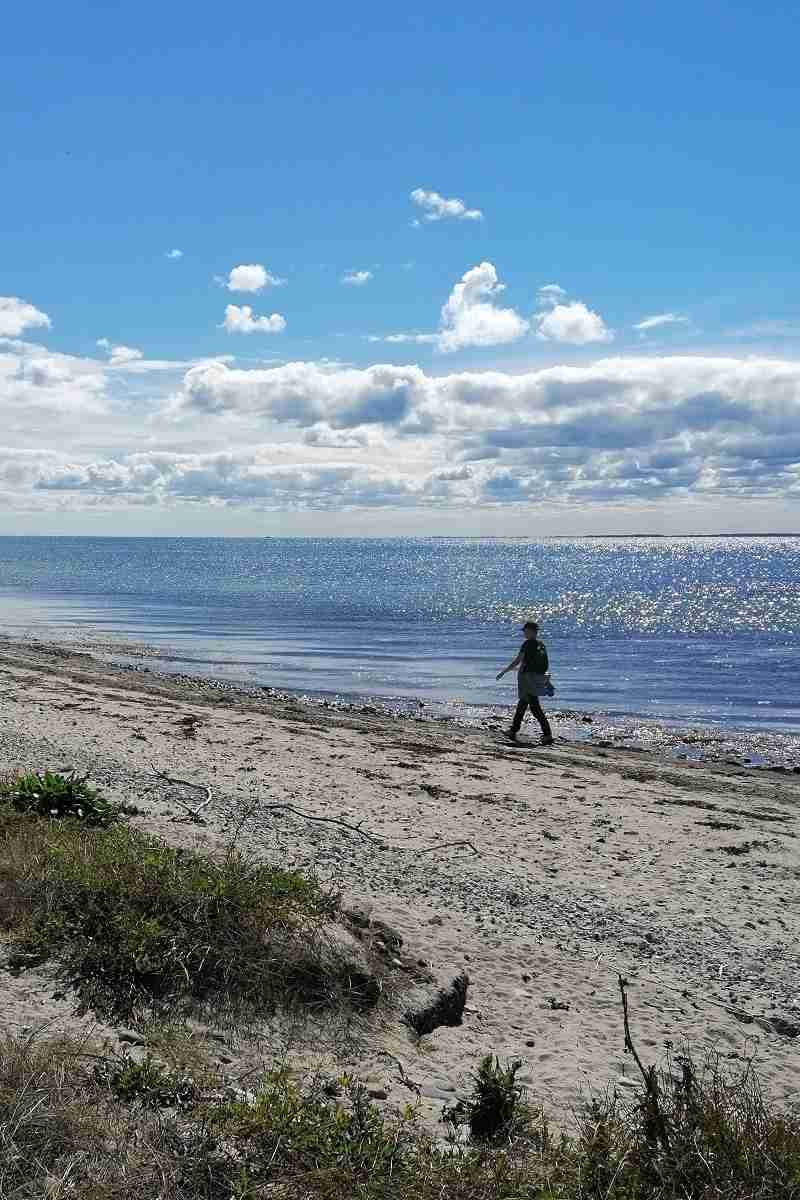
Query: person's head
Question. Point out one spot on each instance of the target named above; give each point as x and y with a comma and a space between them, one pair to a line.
530, 629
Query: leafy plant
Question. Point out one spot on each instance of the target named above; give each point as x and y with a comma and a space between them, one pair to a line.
149, 1083
496, 1106
48, 794
284, 1128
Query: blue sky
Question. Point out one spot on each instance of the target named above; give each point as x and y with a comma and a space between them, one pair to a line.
640, 158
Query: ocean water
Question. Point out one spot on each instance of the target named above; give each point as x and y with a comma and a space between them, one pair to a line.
690, 630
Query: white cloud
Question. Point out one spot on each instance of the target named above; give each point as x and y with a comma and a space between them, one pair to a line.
471, 318
550, 294
119, 355
421, 339
242, 320
661, 319
356, 278
242, 476
124, 354
174, 254
321, 434
38, 388
573, 323
437, 208
251, 277
302, 393
619, 430
17, 315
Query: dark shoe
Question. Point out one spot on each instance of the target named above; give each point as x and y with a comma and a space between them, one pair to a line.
547, 741
511, 734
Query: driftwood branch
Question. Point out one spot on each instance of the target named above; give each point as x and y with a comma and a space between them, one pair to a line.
440, 846
279, 806
656, 1126
194, 813
357, 829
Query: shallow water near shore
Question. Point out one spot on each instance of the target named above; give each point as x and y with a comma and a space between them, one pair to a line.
646, 635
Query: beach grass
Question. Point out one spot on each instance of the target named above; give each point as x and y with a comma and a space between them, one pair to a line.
140, 929
146, 932
73, 1123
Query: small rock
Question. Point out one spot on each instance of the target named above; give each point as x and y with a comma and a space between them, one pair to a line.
127, 1035
431, 1092
377, 1093
784, 1028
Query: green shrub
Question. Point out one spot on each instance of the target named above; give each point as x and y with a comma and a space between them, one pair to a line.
137, 926
496, 1107
51, 795
284, 1129
148, 1083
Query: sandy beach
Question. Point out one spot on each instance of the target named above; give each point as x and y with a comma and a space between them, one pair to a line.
542, 873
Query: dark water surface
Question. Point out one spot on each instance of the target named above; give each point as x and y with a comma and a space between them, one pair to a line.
690, 630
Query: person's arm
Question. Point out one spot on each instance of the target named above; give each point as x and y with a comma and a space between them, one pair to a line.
546, 659
511, 665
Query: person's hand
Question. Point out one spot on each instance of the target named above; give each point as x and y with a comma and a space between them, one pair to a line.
500, 676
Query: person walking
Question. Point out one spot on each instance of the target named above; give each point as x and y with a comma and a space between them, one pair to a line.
532, 682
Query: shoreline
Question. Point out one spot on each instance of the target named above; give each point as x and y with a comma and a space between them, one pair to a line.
585, 861
755, 747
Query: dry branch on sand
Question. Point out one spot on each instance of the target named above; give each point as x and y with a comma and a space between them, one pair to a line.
282, 806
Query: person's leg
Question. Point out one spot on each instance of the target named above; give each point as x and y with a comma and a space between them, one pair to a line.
539, 713
518, 716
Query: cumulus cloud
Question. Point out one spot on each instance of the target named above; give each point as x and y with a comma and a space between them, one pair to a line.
618, 430
356, 278
119, 355
251, 277
550, 294
242, 476
243, 320
620, 427
335, 439
655, 322
437, 208
302, 393
573, 323
174, 254
40, 389
470, 316
18, 315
